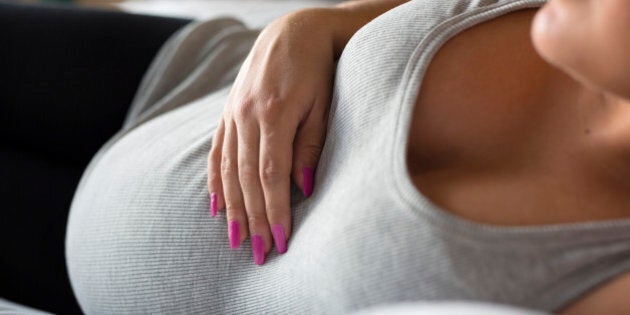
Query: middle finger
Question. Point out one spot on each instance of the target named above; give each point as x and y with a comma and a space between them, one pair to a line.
234, 205
248, 171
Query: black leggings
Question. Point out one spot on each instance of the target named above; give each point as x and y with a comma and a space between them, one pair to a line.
68, 77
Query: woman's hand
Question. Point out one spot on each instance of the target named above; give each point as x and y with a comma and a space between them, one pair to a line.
272, 131
274, 123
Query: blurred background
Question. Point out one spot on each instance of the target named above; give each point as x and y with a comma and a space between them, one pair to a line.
254, 13
98, 3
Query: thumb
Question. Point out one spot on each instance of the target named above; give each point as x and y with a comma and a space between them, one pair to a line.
307, 148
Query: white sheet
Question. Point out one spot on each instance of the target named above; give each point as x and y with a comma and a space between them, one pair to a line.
254, 13
447, 308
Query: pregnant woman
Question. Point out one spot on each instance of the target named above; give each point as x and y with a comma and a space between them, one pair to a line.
456, 150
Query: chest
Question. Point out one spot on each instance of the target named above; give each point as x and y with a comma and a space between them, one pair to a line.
478, 130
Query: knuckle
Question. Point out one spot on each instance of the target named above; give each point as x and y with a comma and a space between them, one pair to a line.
214, 160
215, 153
256, 219
270, 110
271, 172
233, 207
244, 109
228, 167
311, 151
278, 215
247, 173
214, 178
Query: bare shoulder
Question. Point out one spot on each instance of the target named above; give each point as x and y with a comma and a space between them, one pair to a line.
609, 298
480, 82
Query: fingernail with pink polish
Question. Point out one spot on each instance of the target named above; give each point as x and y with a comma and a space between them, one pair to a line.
213, 204
234, 234
279, 238
258, 248
307, 181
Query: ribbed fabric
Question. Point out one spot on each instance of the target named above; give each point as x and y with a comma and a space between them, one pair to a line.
141, 240
10, 308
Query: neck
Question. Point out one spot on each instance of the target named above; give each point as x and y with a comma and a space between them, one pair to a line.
592, 132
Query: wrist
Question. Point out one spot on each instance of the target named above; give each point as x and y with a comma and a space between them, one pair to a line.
320, 26
339, 23
336, 25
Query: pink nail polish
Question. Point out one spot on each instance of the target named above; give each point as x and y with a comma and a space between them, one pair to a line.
279, 238
307, 181
234, 234
213, 204
258, 248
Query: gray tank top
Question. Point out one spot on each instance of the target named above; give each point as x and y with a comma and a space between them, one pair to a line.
140, 238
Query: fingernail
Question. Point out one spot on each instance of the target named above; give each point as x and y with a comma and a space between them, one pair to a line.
258, 248
234, 234
307, 181
213, 204
278, 238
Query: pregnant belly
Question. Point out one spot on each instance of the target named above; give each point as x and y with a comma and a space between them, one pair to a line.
140, 238
139, 233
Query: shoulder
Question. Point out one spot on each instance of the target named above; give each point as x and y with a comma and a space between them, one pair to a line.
609, 298
484, 82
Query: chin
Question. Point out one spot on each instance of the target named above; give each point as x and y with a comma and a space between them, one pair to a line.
588, 45
546, 34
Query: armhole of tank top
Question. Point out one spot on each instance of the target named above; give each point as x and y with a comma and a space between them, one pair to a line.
419, 204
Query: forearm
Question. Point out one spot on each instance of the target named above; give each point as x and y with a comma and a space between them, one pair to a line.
341, 21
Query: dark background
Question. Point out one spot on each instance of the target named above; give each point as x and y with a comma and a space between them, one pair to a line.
69, 74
